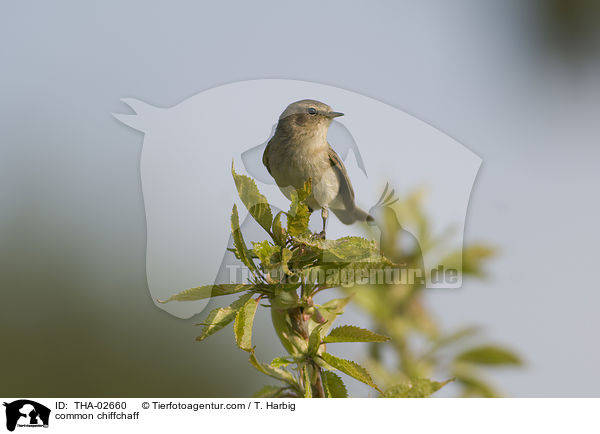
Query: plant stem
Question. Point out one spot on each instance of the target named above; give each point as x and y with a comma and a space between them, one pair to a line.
318, 381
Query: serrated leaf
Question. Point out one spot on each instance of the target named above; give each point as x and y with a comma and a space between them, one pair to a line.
255, 202
208, 291
349, 333
269, 391
353, 249
241, 251
279, 234
333, 385
489, 355
305, 255
278, 373
350, 368
281, 361
220, 317
242, 327
415, 388
346, 250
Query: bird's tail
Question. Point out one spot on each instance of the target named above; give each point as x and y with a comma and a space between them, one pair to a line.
349, 217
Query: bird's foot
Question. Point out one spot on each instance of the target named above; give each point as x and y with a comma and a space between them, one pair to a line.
321, 235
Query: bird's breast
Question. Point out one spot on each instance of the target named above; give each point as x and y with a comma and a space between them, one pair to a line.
293, 164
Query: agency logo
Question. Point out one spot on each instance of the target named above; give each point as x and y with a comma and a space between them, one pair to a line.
25, 413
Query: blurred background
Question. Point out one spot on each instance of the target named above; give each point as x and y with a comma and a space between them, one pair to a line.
516, 82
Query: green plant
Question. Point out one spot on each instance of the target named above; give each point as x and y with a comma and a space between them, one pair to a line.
399, 310
287, 270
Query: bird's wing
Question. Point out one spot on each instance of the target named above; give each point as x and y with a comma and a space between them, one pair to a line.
266, 157
346, 191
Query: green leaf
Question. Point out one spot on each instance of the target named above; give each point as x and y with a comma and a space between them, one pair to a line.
304, 192
350, 368
415, 388
286, 296
279, 234
469, 260
334, 386
243, 324
336, 306
241, 251
323, 364
307, 383
297, 221
298, 216
293, 343
350, 333
281, 361
314, 340
345, 249
286, 255
278, 373
452, 338
475, 387
266, 252
255, 202
352, 249
305, 255
468, 377
330, 310
219, 318
489, 355
269, 392
202, 292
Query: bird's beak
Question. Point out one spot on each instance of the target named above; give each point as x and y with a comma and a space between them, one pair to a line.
334, 114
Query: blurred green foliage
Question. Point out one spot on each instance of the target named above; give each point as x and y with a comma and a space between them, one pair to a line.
572, 27
420, 347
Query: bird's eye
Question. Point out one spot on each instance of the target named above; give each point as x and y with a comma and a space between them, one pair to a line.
312, 111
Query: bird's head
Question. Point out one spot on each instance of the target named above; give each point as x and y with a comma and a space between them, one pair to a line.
308, 114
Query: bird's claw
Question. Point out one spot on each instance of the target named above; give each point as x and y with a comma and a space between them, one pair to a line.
321, 235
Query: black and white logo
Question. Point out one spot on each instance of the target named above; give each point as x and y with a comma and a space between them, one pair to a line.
26, 413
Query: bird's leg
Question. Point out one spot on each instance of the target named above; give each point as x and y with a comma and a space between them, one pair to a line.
324, 214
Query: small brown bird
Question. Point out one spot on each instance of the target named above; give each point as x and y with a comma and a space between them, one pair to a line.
299, 150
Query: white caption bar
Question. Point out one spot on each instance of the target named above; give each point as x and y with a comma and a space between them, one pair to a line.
249, 415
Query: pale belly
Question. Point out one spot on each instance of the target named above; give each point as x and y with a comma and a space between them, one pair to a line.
297, 168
